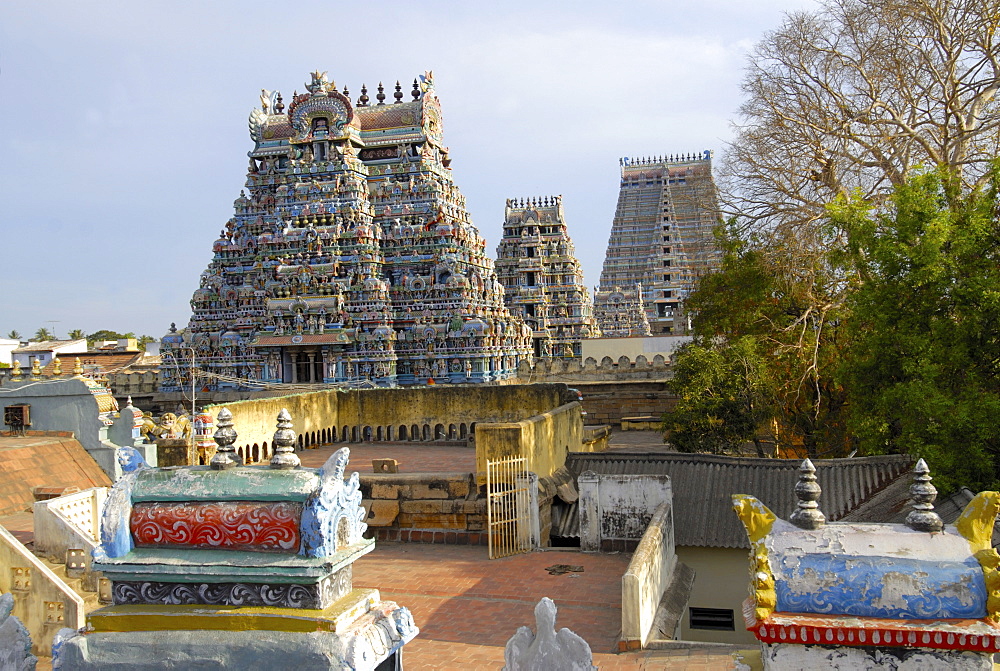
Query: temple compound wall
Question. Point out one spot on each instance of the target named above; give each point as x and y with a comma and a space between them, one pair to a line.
539, 419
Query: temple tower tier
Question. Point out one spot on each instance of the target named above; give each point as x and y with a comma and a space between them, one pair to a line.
661, 243
350, 258
542, 278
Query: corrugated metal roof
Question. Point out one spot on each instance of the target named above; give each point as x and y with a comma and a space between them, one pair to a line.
703, 484
949, 508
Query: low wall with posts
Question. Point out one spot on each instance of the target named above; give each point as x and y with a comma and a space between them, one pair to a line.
424, 508
70, 522
648, 575
42, 601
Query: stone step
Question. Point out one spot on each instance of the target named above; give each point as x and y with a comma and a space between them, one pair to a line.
90, 599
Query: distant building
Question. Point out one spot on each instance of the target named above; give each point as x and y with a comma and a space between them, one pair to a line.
542, 278
661, 239
45, 351
351, 257
7, 348
106, 359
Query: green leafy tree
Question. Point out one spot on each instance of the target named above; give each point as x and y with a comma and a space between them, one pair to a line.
14, 335
793, 320
923, 366
42, 334
723, 397
76, 334
104, 334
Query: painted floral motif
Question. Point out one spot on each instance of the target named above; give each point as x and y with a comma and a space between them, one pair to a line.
232, 525
901, 589
224, 594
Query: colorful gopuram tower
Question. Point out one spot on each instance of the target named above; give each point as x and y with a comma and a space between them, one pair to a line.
350, 258
661, 242
537, 265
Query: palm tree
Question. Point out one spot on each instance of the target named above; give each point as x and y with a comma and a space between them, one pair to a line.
14, 335
42, 334
76, 334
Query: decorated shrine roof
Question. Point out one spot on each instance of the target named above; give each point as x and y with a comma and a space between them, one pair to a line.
379, 117
200, 483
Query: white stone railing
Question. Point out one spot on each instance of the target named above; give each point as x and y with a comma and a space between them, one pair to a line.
648, 575
42, 601
70, 522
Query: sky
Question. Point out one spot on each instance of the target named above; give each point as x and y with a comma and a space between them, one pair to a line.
127, 139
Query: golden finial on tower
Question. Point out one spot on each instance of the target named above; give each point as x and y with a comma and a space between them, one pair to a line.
56, 367
77, 367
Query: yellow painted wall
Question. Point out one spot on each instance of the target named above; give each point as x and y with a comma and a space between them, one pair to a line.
549, 429
722, 580
42, 601
544, 439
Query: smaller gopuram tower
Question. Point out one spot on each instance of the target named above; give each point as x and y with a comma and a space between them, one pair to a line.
542, 278
620, 314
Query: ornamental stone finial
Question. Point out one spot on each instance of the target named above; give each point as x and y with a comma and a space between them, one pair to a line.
15, 374
225, 455
77, 367
922, 495
57, 367
36, 369
807, 515
284, 443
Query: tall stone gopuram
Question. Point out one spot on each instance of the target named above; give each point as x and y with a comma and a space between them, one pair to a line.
350, 258
661, 242
537, 265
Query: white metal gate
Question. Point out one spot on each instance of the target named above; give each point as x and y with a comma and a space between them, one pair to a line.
508, 506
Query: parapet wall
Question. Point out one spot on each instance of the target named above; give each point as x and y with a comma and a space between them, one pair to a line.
544, 439
647, 577
42, 601
610, 402
429, 413
590, 369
